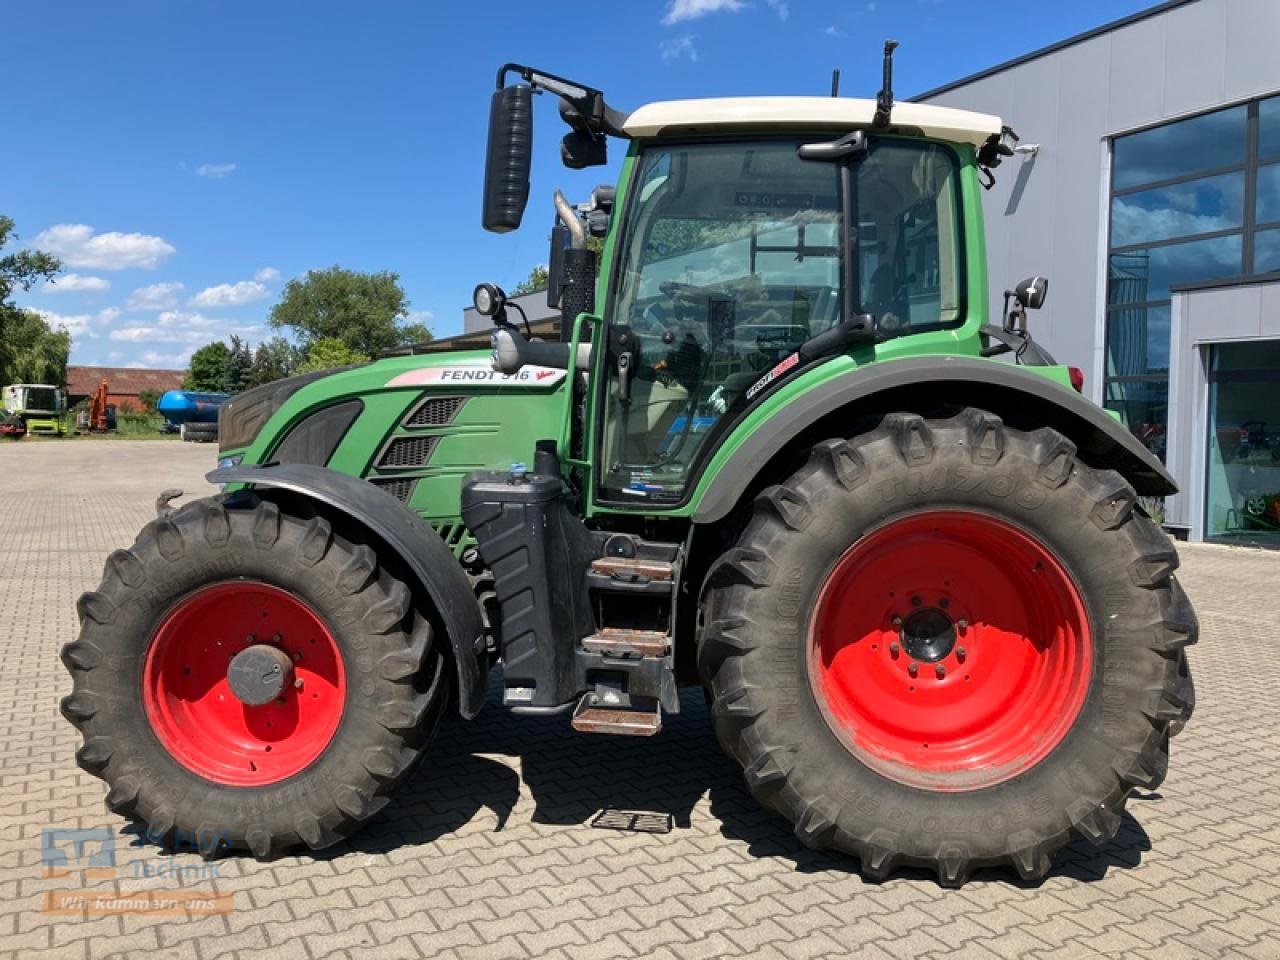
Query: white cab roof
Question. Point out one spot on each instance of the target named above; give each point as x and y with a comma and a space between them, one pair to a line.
840, 113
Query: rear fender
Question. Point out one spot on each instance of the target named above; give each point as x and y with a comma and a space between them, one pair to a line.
928, 386
419, 547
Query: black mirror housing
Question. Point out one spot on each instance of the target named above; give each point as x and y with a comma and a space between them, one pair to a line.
508, 158
1032, 292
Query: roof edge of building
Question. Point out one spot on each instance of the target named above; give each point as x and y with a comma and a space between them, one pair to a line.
1109, 27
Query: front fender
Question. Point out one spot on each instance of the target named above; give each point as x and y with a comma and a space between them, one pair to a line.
414, 542
923, 385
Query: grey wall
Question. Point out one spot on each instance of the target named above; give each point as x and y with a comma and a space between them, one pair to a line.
1048, 215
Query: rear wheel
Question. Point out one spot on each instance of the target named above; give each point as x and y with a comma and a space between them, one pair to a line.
948, 644
245, 678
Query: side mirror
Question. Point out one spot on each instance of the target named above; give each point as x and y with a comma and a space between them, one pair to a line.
508, 158
1031, 292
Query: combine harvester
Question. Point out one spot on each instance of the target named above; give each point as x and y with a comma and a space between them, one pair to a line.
193, 415
40, 406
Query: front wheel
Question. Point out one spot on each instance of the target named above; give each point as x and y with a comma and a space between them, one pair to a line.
246, 678
948, 644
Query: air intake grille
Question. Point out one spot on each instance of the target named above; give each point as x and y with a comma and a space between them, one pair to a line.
435, 412
401, 489
405, 452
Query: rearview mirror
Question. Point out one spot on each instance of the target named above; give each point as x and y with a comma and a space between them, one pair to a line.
508, 158
1032, 291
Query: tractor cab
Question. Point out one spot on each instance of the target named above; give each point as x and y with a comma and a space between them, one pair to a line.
757, 237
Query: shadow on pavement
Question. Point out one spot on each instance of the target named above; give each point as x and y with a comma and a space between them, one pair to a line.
573, 776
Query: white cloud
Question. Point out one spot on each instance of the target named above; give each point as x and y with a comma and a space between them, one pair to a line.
677, 47
180, 326
267, 275
107, 315
157, 296
833, 31
778, 7
215, 171
76, 245
229, 294
681, 10
78, 325
152, 359
420, 316
74, 282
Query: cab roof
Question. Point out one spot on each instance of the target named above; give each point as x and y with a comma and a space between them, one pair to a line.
671, 117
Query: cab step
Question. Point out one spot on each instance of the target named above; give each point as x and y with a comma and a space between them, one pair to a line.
594, 716
633, 568
629, 644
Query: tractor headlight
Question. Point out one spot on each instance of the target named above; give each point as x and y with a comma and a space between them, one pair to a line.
225, 462
488, 299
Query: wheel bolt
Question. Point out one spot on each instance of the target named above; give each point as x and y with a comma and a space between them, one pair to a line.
944, 603
251, 639
296, 656
940, 671
962, 625
894, 648
961, 653
912, 669
916, 601
297, 683
896, 620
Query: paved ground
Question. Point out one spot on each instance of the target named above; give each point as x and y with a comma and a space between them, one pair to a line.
488, 851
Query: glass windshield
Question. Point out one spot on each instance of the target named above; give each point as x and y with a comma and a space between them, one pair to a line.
732, 260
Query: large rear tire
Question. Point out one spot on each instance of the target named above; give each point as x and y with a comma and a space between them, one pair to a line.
948, 644
356, 684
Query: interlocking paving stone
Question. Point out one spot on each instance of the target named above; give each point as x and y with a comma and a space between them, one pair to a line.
487, 851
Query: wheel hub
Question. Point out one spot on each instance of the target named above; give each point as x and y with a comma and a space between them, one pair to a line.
928, 635
235, 710
950, 650
258, 673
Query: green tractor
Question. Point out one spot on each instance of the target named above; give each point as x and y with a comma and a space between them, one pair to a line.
771, 453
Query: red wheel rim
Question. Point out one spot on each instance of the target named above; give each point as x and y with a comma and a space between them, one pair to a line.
200, 720
955, 707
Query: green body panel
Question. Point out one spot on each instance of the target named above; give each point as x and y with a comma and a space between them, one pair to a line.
504, 417
499, 423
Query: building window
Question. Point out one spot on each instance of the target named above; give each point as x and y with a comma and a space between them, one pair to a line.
1194, 200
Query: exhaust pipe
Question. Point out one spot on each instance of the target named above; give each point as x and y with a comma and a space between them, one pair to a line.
576, 278
569, 217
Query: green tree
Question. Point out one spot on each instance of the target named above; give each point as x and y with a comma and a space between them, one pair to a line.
207, 366
327, 353
31, 351
235, 370
537, 280
362, 310
149, 398
274, 359
21, 269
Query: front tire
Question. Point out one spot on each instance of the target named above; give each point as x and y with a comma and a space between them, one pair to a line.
359, 691
948, 644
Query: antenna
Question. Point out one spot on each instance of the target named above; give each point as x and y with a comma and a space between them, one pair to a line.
835, 83
884, 99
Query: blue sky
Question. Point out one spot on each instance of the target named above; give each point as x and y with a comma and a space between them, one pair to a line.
186, 159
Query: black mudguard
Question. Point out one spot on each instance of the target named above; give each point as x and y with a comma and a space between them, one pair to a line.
925, 382
403, 531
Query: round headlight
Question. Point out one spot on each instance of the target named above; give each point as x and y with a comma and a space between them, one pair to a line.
488, 299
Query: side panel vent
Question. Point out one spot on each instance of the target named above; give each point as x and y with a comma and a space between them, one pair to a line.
407, 452
401, 488
435, 412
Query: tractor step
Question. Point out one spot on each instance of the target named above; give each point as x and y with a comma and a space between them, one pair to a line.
592, 716
633, 568
619, 642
